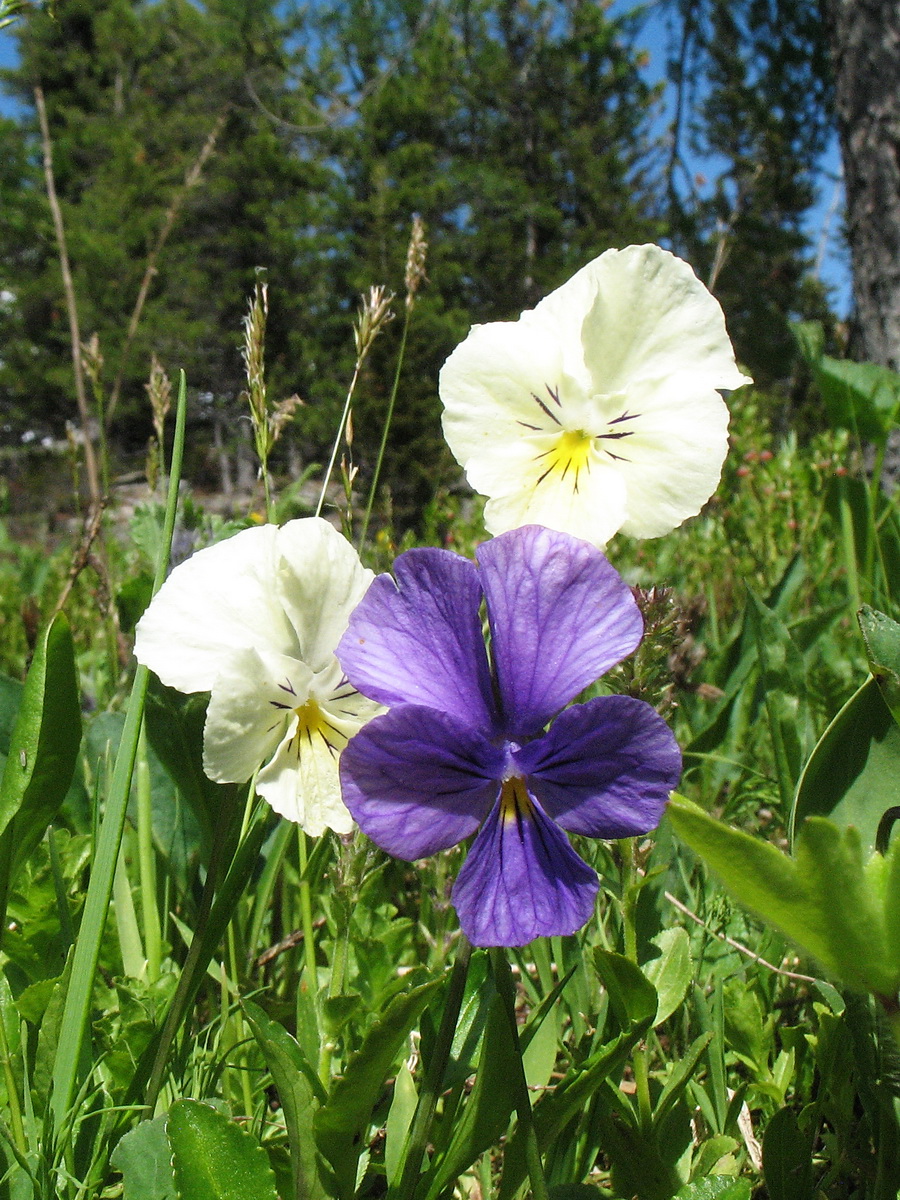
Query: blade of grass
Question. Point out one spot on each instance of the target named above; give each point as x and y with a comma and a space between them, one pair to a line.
76, 1013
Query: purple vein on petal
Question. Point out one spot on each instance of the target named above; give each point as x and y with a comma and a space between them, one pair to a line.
522, 880
419, 640
560, 617
604, 768
418, 781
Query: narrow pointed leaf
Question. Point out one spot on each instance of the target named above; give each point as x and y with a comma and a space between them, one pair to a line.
341, 1123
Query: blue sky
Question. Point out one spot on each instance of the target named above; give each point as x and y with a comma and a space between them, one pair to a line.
824, 220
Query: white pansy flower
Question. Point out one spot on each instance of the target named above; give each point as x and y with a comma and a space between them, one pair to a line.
598, 410
254, 621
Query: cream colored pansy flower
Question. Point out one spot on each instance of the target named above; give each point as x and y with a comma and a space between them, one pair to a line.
254, 621
598, 410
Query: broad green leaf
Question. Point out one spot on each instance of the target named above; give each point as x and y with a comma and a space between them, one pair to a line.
853, 774
715, 1187
10, 701
399, 1119
176, 833
487, 1111
671, 972
820, 899
882, 638
144, 1161
213, 1158
300, 1093
787, 1161
861, 397
341, 1123
631, 994
43, 748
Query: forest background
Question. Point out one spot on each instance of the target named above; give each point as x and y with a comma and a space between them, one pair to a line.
524, 133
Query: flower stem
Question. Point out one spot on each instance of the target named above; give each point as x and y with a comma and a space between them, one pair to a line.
507, 989
384, 433
640, 1063
342, 425
420, 1128
309, 944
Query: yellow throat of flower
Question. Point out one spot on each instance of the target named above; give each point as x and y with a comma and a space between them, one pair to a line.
570, 456
515, 803
312, 722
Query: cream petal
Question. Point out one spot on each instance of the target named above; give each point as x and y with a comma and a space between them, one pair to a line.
320, 581
301, 783
222, 598
594, 511
252, 701
502, 383
672, 463
650, 317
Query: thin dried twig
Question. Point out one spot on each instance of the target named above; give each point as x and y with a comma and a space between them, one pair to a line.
741, 949
90, 462
191, 179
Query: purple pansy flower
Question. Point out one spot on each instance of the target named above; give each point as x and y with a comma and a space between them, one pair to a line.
464, 748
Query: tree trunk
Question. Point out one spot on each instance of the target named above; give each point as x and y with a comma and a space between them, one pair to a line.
865, 41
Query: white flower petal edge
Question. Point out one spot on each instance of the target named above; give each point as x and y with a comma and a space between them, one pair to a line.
598, 410
255, 620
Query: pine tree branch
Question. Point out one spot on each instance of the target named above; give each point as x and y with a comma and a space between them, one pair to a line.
191, 179
90, 462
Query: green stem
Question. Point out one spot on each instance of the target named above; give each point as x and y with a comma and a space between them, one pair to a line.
147, 863
640, 1060
507, 989
309, 942
340, 433
420, 1127
76, 1012
66, 929
192, 970
12, 1094
384, 433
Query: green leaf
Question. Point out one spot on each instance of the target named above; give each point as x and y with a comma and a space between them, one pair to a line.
679, 1078
631, 994
861, 397
783, 680
487, 1111
43, 749
558, 1107
342, 1121
852, 775
671, 972
882, 638
213, 1158
144, 1161
787, 1161
300, 1093
715, 1187
399, 1119
800, 895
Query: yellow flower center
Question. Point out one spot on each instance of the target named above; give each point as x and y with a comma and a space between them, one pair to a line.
312, 722
569, 456
515, 803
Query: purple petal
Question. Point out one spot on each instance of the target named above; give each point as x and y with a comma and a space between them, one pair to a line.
418, 781
522, 880
419, 640
560, 617
604, 768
